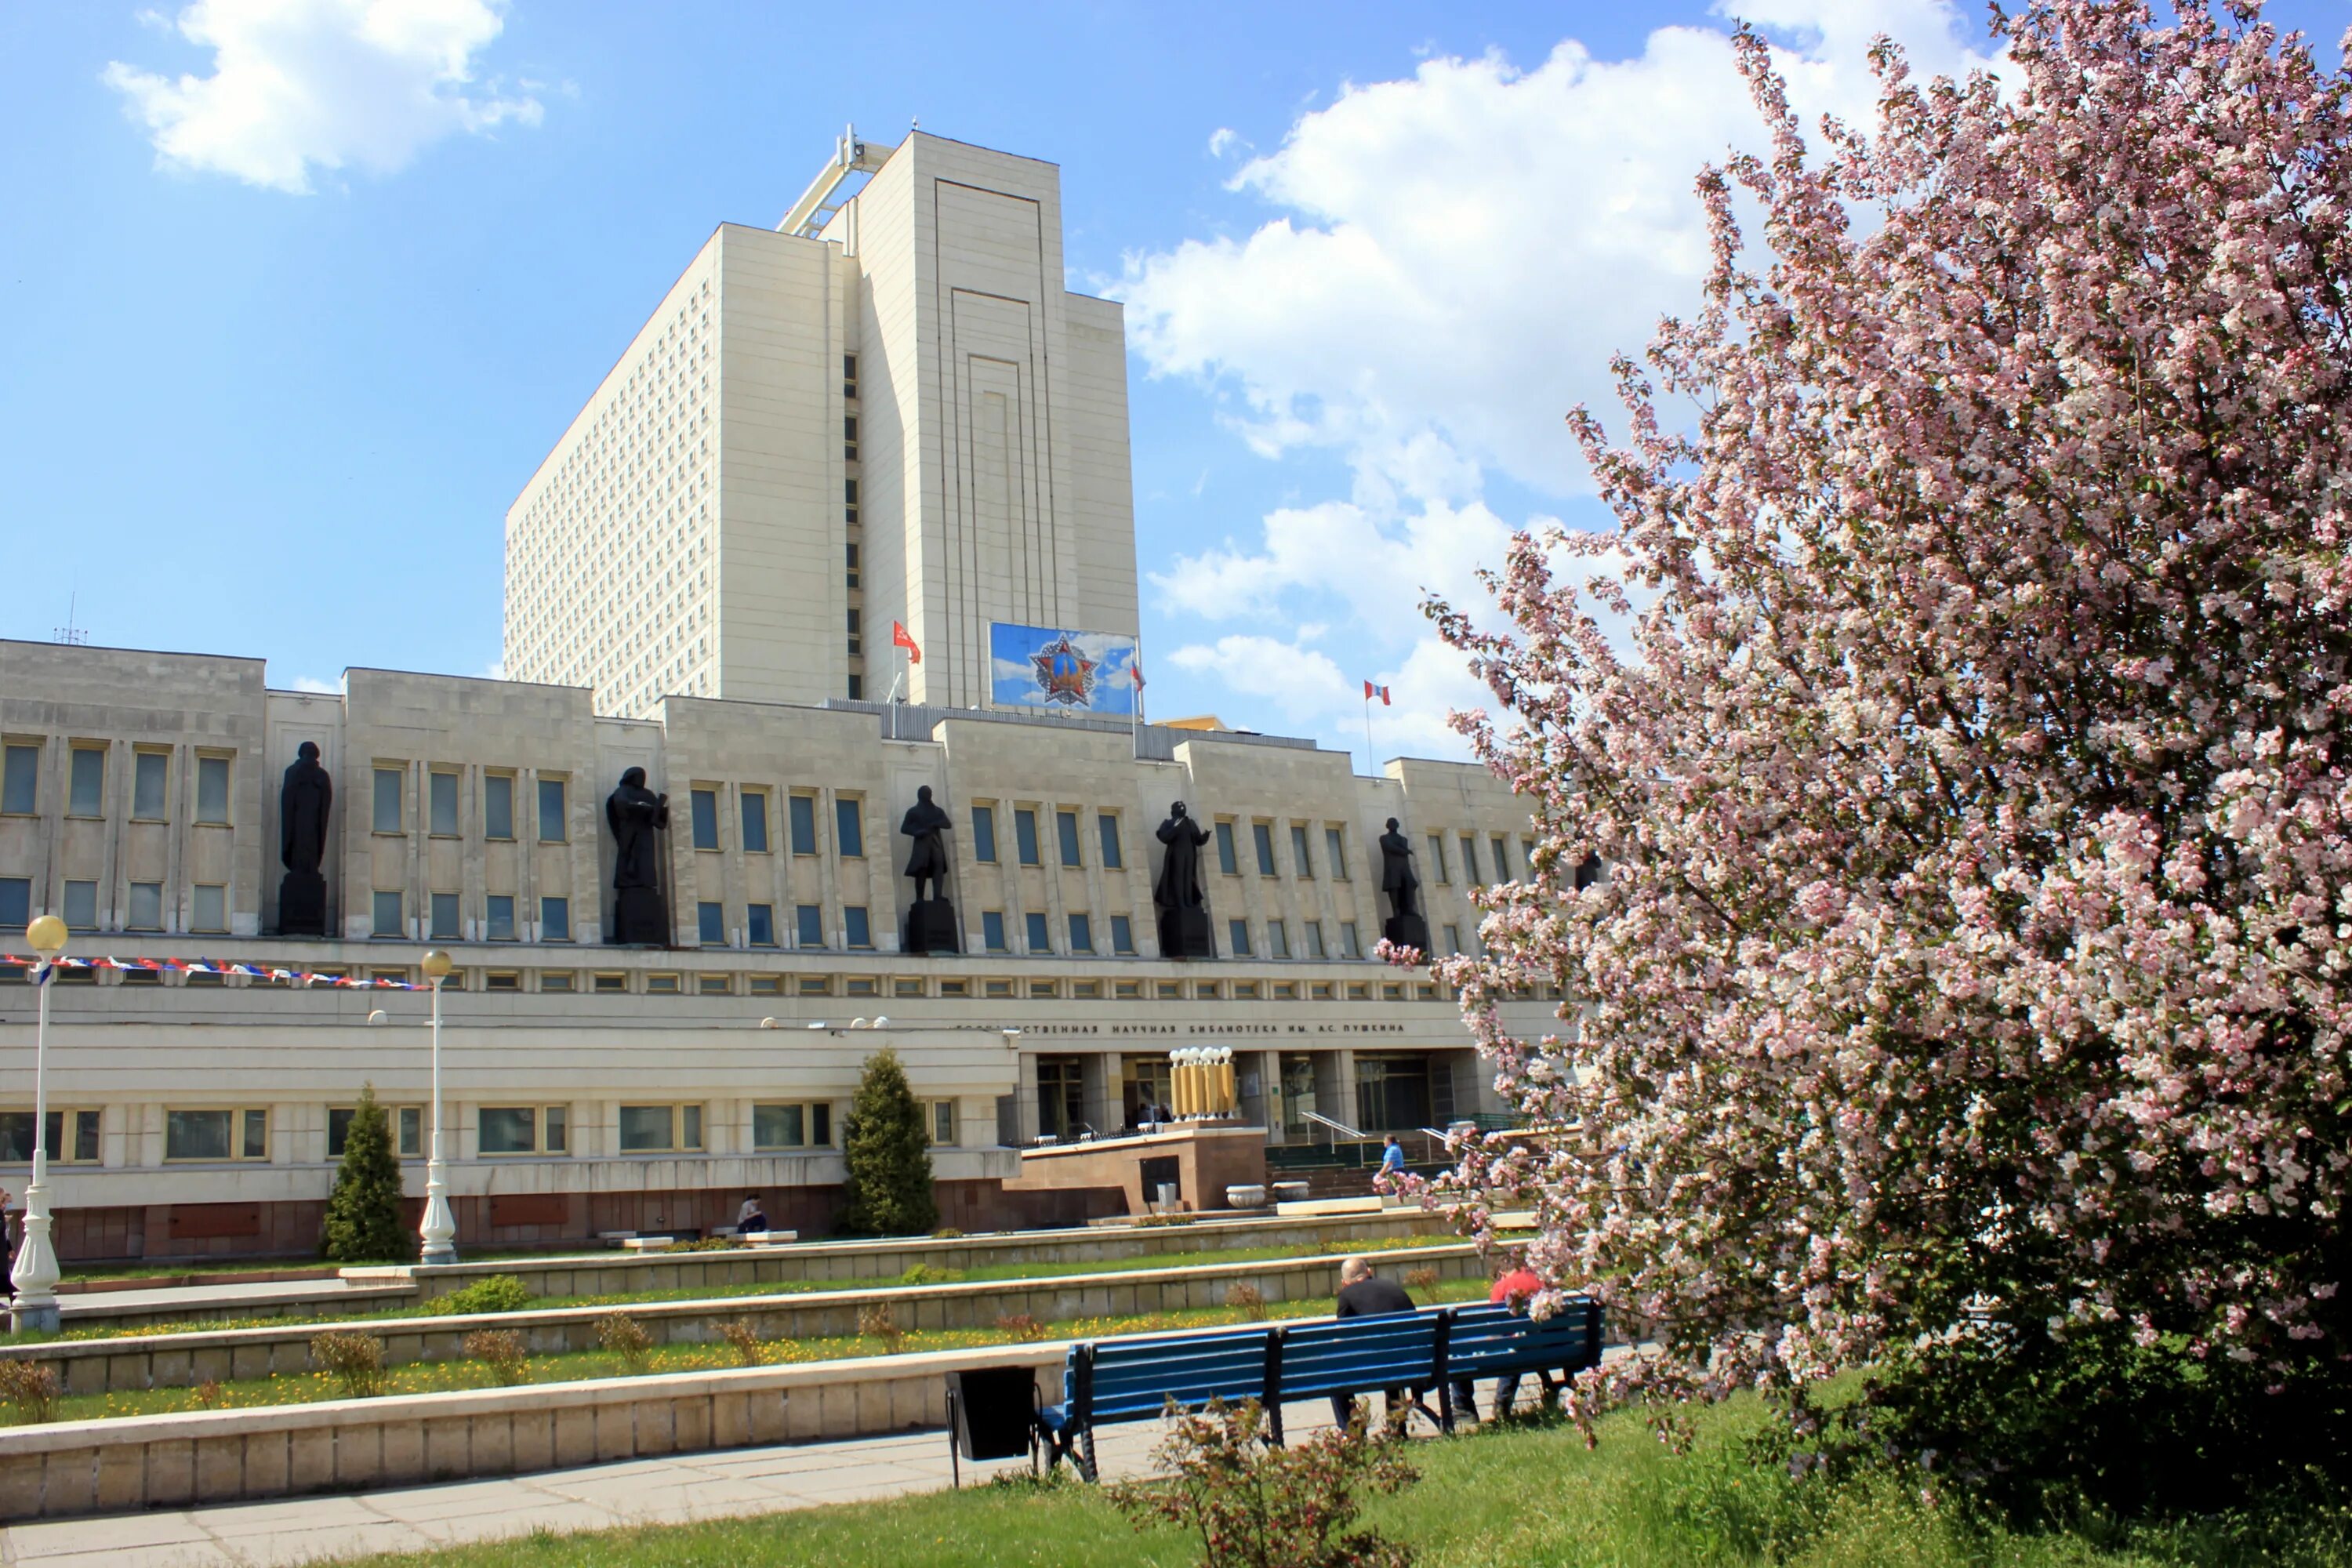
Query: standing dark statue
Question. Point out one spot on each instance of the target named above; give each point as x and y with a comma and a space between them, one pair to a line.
930, 922
1402, 883
1183, 917
304, 801
637, 818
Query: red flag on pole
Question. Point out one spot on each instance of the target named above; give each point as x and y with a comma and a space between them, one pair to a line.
1136, 671
1381, 692
898, 638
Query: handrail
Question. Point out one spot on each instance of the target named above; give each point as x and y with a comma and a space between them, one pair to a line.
1339, 1126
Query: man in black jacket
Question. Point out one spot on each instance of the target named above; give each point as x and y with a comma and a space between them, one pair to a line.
1364, 1294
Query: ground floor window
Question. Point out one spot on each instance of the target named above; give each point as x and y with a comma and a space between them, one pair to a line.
522, 1129
799, 1126
1061, 1096
72, 1137
660, 1129
407, 1128
242, 1134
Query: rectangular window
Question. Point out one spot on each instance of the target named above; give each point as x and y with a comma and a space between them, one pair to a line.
502, 980
520, 1129
554, 920
1437, 856
498, 806
778, 1126
81, 906
499, 921
209, 911
1237, 933
216, 1134
705, 819
803, 814
1066, 829
1122, 934
1277, 939
1350, 946
661, 984
943, 1121
146, 907
710, 923
714, 985
20, 773
850, 558
388, 792
15, 903
658, 1129
1502, 849
406, 1123
811, 920
386, 913
759, 924
754, 814
1300, 863
1082, 934
1335, 853
86, 784
1315, 938
858, 930
1227, 862
556, 980
442, 801
1040, 940
983, 834
72, 1137
212, 790
1262, 841
608, 983
150, 772
1024, 834
551, 829
849, 826
445, 918
765, 984
1106, 828
991, 930
856, 636
856, 684
1453, 939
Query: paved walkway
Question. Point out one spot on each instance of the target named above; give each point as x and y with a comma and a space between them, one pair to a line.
724, 1484
227, 1300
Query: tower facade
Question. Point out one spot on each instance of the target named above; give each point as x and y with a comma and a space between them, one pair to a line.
889, 411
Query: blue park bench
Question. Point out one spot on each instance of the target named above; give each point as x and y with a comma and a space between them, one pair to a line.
1111, 1381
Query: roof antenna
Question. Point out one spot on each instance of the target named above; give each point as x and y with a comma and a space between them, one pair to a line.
70, 634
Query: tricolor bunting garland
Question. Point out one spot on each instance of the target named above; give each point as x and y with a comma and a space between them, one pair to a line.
40, 971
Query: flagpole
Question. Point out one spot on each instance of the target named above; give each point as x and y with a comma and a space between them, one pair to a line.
1370, 771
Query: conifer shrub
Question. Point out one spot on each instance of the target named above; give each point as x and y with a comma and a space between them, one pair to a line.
364, 1217
888, 1188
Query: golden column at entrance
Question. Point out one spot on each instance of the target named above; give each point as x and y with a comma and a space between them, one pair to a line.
1202, 1082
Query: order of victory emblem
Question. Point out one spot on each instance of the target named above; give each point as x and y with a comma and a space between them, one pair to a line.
1063, 674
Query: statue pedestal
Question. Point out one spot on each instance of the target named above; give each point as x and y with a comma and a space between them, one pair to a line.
1184, 933
931, 926
638, 918
303, 904
1407, 930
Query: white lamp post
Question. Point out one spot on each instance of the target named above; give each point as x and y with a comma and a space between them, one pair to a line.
439, 1231
34, 1277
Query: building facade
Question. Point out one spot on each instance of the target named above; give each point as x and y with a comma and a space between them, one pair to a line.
897, 416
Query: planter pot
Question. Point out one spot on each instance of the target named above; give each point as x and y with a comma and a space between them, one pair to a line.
1250, 1196
1290, 1192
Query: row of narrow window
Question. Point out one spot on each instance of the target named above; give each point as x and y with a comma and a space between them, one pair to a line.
150, 783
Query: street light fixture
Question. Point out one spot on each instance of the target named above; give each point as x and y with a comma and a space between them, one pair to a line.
439, 1230
34, 1277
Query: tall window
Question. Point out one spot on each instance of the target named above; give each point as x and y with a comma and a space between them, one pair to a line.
443, 822
1315, 938
15, 903
212, 791
759, 924
1300, 861
86, 782
1502, 849
983, 833
991, 930
1106, 827
857, 929
146, 907
1262, 841
1335, 853
1040, 938
1227, 862
803, 814
1277, 940
1470, 859
149, 772
1350, 945
550, 811
1437, 856
498, 806
849, 826
498, 920
445, 917
811, 921
20, 772
1082, 934
82, 905
208, 908
1066, 829
705, 819
1122, 934
385, 911
856, 622
388, 792
555, 919
710, 923
755, 822
1237, 932
1024, 834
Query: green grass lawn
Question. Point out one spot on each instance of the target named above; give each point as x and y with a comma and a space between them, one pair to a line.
1519, 1495
429, 1377
1002, 1271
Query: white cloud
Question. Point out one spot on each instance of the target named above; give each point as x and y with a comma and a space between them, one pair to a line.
311, 683
304, 85
1452, 259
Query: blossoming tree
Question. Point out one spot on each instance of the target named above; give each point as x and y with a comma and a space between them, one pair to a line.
1966, 995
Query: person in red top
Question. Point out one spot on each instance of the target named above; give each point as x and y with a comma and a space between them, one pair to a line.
1513, 1286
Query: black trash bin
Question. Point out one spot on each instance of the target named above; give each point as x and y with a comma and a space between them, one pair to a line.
991, 1414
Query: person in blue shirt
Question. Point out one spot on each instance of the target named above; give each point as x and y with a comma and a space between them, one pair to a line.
1392, 1158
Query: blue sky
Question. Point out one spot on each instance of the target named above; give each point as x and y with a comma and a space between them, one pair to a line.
271, 368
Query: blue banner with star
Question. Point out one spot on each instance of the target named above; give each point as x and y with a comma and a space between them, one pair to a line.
1058, 671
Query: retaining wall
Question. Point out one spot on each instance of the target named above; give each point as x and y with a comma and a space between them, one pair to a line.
180, 1361
359, 1445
